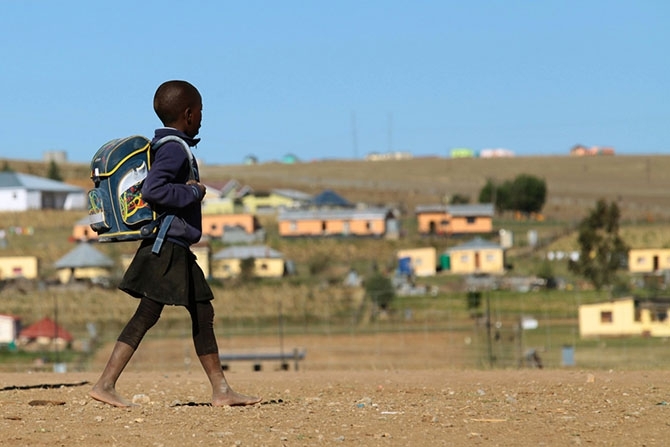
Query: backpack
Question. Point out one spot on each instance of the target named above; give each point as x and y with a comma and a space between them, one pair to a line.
115, 206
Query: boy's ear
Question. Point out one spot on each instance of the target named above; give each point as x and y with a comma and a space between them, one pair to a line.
187, 115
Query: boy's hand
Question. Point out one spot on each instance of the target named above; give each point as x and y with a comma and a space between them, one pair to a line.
200, 186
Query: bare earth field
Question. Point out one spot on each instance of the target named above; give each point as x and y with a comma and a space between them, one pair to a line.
339, 402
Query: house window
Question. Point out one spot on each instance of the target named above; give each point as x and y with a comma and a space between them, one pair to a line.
293, 226
640, 260
471, 220
264, 266
606, 317
368, 225
638, 315
464, 258
489, 257
444, 222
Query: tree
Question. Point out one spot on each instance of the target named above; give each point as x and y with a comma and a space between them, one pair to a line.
459, 199
527, 194
497, 194
54, 172
5, 167
602, 251
380, 290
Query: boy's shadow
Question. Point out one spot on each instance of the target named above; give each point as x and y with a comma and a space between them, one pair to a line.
207, 404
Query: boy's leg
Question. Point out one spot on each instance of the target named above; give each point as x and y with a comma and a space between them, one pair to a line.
202, 320
222, 393
147, 314
105, 389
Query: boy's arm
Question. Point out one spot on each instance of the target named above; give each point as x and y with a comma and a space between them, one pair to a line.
160, 187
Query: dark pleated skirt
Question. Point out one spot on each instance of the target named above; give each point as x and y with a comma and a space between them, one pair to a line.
172, 277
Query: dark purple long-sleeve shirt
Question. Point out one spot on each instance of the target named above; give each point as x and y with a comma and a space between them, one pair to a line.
165, 187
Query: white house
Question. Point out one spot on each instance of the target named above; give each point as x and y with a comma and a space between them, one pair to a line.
21, 192
9, 328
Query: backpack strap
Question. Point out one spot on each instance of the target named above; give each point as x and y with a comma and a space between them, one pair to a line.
162, 232
165, 220
184, 146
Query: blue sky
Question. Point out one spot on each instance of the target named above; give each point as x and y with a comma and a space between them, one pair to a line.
339, 79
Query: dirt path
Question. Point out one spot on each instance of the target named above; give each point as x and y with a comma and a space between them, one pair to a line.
371, 408
372, 390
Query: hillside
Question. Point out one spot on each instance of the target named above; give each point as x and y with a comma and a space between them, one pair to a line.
640, 184
317, 303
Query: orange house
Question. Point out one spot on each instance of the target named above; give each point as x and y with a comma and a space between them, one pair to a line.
81, 231
372, 222
455, 219
213, 224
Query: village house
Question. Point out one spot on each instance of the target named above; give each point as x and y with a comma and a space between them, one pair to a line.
625, 317
455, 219
476, 256
214, 225
225, 199
43, 333
648, 260
81, 230
10, 326
84, 263
268, 263
22, 192
370, 222
15, 267
269, 202
417, 261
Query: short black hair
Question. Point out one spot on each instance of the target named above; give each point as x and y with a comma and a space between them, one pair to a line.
172, 98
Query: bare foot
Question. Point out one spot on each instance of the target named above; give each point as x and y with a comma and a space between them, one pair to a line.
109, 396
227, 396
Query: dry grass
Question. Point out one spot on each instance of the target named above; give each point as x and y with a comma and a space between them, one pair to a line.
639, 184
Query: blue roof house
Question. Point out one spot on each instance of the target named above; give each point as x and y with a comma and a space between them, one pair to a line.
22, 192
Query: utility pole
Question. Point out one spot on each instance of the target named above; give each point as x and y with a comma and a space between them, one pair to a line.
488, 328
354, 134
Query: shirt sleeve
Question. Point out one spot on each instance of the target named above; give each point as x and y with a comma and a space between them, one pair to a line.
163, 185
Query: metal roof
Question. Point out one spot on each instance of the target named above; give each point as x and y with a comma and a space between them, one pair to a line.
344, 214
292, 194
83, 256
475, 244
247, 251
329, 197
475, 209
478, 209
17, 180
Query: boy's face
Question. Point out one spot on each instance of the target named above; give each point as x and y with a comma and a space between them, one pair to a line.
194, 119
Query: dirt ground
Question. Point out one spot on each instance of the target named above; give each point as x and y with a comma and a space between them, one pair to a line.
381, 402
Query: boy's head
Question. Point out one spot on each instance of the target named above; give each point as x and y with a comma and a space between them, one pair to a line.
178, 104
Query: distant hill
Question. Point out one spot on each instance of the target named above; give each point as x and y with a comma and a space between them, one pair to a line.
640, 184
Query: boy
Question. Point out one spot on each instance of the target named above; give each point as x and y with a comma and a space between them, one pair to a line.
172, 276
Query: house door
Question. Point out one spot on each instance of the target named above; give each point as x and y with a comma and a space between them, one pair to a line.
655, 263
477, 266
